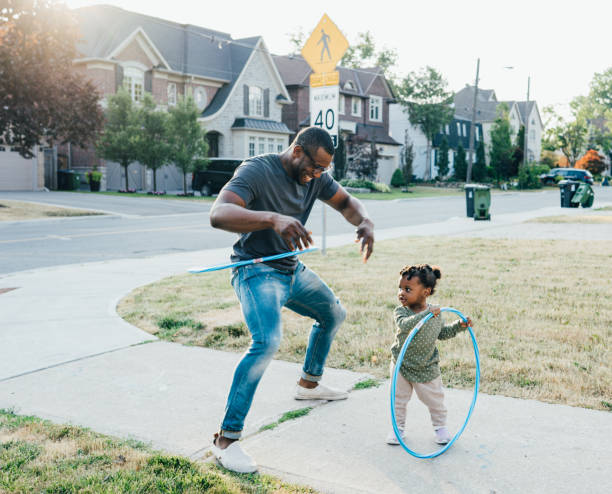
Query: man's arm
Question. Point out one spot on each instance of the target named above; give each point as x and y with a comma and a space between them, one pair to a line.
356, 214
229, 213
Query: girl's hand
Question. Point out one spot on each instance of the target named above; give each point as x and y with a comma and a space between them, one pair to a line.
435, 310
466, 324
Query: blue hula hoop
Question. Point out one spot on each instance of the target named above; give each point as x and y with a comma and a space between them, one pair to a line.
396, 372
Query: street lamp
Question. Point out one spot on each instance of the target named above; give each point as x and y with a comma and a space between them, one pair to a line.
468, 178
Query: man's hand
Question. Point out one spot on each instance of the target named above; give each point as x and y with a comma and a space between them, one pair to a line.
292, 232
365, 234
466, 324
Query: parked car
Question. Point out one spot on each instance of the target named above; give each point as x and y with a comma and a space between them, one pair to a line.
566, 173
216, 175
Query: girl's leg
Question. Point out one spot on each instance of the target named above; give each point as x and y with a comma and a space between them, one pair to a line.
432, 395
403, 392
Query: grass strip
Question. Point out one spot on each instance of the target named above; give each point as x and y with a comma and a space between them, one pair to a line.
39, 456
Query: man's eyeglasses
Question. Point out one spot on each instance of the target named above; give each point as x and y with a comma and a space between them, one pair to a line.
317, 168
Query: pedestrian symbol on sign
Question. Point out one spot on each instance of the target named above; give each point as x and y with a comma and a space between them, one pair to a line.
325, 40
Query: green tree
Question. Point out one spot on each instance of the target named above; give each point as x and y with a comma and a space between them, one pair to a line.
188, 145
364, 164
42, 99
397, 179
119, 141
442, 162
365, 53
479, 172
152, 143
340, 159
501, 144
460, 165
407, 158
518, 152
569, 136
428, 102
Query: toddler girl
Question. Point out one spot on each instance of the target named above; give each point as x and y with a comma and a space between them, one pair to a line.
419, 370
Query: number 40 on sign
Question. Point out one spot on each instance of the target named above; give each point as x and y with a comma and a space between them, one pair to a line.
324, 109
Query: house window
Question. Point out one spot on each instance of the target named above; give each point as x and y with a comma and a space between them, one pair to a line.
256, 101
171, 94
270, 145
349, 85
341, 103
133, 82
262, 146
199, 96
251, 146
376, 108
279, 145
458, 129
447, 129
477, 133
464, 131
355, 106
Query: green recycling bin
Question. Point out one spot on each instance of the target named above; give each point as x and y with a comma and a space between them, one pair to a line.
68, 180
583, 196
478, 201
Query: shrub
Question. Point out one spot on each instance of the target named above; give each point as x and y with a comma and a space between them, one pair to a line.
379, 187
529, 178
398, 180
93, 176
360, 183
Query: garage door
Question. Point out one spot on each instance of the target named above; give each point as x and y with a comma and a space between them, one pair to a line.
17, 173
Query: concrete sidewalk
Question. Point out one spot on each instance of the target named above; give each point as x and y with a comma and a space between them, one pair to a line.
67, 356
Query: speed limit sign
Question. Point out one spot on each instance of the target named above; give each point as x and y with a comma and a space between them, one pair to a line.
324, 109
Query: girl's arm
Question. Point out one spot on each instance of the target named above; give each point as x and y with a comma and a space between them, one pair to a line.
451, 330
405, 320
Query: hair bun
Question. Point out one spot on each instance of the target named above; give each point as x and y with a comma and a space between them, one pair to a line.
436, 271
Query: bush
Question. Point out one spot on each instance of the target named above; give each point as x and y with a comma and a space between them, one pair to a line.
360, 183
398, 180
93, 176
541, 168
529, 178
379, 187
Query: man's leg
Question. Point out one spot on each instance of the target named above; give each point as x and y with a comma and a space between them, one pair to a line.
261, 291
311, 297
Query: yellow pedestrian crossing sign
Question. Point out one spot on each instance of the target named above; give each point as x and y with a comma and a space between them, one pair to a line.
325, 46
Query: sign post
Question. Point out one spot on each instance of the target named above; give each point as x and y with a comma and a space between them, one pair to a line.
323, 50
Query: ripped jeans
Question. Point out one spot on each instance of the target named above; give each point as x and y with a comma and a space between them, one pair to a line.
263, 291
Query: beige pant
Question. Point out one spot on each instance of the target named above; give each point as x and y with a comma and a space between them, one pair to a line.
429, 393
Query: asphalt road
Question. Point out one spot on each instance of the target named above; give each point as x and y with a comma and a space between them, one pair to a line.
142, 227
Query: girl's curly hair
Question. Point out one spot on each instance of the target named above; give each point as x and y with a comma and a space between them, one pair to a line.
428, 275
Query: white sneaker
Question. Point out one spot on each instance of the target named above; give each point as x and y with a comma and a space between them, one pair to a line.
234, 458
442, 435
392, 438
320, 392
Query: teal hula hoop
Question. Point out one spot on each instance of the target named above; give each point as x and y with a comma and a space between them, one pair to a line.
396, 372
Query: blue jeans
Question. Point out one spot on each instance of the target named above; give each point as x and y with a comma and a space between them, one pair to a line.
263, 291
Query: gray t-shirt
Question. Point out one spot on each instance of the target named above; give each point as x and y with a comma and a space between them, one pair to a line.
264, 185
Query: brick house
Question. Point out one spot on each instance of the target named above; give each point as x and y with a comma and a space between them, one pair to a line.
364, 108
234, 83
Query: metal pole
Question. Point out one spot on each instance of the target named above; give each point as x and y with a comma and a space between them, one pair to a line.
526, 136
468, 179
323, 236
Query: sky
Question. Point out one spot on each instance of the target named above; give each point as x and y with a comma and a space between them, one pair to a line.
555, 45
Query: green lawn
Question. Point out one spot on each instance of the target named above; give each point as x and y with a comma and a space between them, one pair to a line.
37, 456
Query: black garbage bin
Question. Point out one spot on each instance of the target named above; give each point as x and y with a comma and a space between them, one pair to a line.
567, 189
67, 180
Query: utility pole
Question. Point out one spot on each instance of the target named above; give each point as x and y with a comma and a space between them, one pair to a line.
468, 179
526, 136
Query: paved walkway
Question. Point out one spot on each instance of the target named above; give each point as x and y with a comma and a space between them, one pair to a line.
65, 355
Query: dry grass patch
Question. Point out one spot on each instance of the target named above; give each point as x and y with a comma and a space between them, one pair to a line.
540, 310
38, 456
18, 211
592, 218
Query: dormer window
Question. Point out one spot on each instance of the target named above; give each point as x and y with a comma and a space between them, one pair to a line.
255, 101
350, 86
133, 82
199, 96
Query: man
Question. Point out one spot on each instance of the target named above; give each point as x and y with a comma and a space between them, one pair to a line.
268, 201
